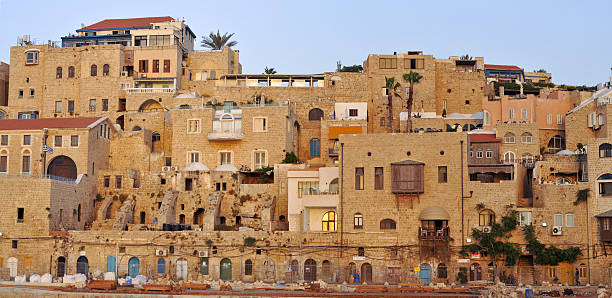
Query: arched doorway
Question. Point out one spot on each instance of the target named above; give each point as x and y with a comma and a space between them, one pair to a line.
62, 166
226, 269
181, 269
425, 273
150, 106
120, 120
83, 265
133, 267
310, 270
352, 269
326, 271
475, 272
61, 266
12, 266
315, 114
366, 272
269, 270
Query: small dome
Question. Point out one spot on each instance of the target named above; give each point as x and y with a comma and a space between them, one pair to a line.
196, 167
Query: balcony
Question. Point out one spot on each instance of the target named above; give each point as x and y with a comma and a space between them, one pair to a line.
150, 90
323, 200
433, 233
226, 135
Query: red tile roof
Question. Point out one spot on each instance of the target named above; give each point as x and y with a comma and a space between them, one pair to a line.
37, 124
502, 67
127, 23
483, 138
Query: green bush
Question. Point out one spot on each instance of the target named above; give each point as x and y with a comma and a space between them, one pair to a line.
290, 157
462, 275
249, 241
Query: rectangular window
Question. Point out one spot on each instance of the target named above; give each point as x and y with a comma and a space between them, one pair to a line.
20, 213
382, 122
58, 106
32, 92
27, 140
194, 157
559, 119
4, 140
558, 220
511, 114
525, 218
308, 188
359, 178
143, 66
414, 63
379, 178
92, 105
188, 184
20, 93
104, 104
140, 41
569, 220
106, 181
524, 114
166, 65
155, 65
260, 124
225, 158
118, 182
358, 224
3, 164
25, 164
71, 106
74, 141
548, 118
489, 154
442, 174
193, 126
259, 159
388, 63
353, 112
31, 57
58, 141
479, 154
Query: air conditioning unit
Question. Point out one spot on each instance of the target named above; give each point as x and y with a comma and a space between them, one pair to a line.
161, 253
124, 73
174, 168
203, 253
166, 169
556, 231
486, 229
143, 75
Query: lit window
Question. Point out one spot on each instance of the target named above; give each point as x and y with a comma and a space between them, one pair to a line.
486, 218
329, 221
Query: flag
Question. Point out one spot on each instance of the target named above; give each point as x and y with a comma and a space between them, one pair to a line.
47, 149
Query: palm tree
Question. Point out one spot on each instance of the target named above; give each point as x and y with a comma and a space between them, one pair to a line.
392, 87
216, 41
466, 57
270, 70
412, 78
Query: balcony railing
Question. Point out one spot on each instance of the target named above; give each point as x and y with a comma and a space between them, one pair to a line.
433, 233
332, 151
32, 176
228, 135
150, 90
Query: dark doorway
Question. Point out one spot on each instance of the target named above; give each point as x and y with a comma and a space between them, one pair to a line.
120, 120
198, 216
61, 266
366, 272
143, 217
62, 166
475, 272
82, 265
310, 270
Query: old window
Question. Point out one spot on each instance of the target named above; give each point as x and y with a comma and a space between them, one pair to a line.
118, 181
27, 140
308, 188
94, 70
556, 144
526, 138
486, 218
442, 271
104, 104
329, 221
509, 138
569, 219
188, 184
25, 162
20, 93
378, 178
225, 157
31, 57
315, 114
166, 65
32, 92
353, 112
511, 114
442, 174
382, 122
479, 154
414, 63
58, 141
140, 41
509, 157
193, 125
4, 140
105, 70
407, 177
74, 141
143, 66
489, 154
358, 221
605, 185
559, 119
605, 150
106, 181
525, 218
71, 106
260, 124
523, 113
92, 105
155, 65
58, 73
315, 147
486, 118
558, 220
3, 161
20, 212
359, 179
259, 159
248, 267
71, 71
161, 266
194, 157
58, 106
387, 63
549, 118
387, 224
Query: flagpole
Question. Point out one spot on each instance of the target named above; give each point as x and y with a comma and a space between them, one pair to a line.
44, 153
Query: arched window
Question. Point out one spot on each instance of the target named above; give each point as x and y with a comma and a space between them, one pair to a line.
526, 138
442, 271
248, 267
58, 73
105, 69
605, 150
509, 157
25, 161
3, 161
387, 224
71, 72
527, 158
315, 147
486, 117
94, 70
329, 221
358, 221
605, 185
509, 138
486, 218
333, 186
161, 266
315, 114
556, 144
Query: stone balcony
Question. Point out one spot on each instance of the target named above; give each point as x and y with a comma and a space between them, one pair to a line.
228, 135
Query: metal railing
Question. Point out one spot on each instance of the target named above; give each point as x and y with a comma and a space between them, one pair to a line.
28, 176
150, 90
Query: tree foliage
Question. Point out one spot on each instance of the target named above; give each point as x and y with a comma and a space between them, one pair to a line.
270, 70
216, 41
466, 57
351, 68
550, 255
392, 90
496, 244
290, 157
411, 78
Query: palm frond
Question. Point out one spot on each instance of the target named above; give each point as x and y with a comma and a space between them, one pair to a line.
216, 41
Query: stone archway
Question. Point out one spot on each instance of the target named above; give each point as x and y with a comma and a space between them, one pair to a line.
62, 166
150, 106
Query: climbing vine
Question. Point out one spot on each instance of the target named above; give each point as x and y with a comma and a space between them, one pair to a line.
582, 195
550, 255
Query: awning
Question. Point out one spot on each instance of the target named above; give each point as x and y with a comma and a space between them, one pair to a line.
434, 213
334, 131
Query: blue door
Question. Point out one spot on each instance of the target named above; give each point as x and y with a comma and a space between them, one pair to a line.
110, 264
133, 267
315, 147
425, 273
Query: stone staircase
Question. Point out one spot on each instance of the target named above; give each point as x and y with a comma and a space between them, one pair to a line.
167, 211
212, 210
125, 215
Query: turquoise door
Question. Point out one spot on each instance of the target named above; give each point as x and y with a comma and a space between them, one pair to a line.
226, 269
133, 267
315, 147
425, 273
110, 264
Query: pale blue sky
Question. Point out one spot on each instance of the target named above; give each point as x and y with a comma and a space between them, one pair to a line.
571, 39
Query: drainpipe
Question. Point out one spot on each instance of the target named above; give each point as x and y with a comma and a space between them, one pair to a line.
43, 153
341, 197
462, 196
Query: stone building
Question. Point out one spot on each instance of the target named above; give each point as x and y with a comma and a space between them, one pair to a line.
4, 83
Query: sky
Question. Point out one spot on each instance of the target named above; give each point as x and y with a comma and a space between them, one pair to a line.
570, 39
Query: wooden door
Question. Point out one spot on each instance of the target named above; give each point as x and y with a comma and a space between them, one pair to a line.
366, 272
310, 270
